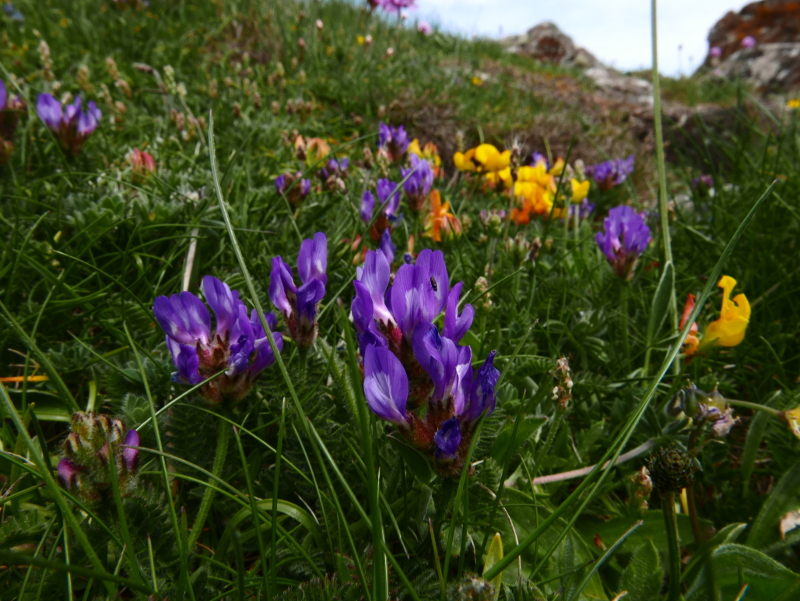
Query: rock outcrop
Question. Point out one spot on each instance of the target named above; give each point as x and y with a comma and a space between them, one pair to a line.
773, 63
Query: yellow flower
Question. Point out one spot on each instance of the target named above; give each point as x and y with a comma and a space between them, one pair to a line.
477, 81
429, 152
501, 177
734, 316
440, 219
580, 190
558, 167
536, 175
794, 103
465, 161
792, 418
491, 159
360, 40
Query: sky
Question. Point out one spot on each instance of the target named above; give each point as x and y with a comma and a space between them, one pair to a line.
615, 31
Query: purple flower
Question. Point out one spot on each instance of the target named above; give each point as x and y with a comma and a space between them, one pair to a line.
455, 325
611, 173
448, 440
585, 208
420, 291
418, 181
424, 28
299, 304
440, 357
483, 397
540, 158
10, 110
386, 385
293, 186
748, 42
393, 139
715, 52
704, 184
131, 456
389, 202
626, 237
3, 95
395, 6
387, 246
237, 345
70, 125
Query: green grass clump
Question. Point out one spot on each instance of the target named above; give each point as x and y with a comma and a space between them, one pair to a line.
297, 491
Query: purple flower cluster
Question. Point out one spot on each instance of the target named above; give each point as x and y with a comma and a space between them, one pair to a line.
237, 345
10, 110
418, 181
70, 125
626, 237
704, 184
293, 186
394, 140
299, 304
584, 209
389, 203
611, 173
409, 363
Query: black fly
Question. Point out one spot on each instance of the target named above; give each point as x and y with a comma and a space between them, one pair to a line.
433, 285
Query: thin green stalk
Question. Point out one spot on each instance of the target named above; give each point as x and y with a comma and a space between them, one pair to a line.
660, 164
252, 496
623, 302
275, 485
223, 435
673, 545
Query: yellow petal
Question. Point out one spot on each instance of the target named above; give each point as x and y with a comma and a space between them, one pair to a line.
413, 148
793, 419
580, 190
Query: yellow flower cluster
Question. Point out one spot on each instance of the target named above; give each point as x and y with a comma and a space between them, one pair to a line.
728, 330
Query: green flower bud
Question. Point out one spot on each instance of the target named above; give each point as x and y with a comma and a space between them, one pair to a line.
671, 469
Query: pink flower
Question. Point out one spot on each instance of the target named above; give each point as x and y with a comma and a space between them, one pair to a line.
716, 52
424, 27
748, 42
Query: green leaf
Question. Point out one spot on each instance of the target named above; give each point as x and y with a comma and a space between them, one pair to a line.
752, 443
643, 576
660, 307
415, 460
785, 497
736, 565
526, 429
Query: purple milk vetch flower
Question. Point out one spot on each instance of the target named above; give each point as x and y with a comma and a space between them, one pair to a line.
293, 186
388, 203
418, 181
626, 237
367, 206
420, 291
440, 357
748, 42
424, 28
199, 353
386, 385
715, 52
540, 158
395, 6
448, 440
299, 304
455, 325
393, 139
611, 173
483, 397
584, 209
387, 246
70, 125
11, 107
68, 473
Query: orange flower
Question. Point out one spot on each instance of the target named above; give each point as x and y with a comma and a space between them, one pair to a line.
440, 219
692, 341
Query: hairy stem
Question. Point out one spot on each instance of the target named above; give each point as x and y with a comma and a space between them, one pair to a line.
208, 495
673, 544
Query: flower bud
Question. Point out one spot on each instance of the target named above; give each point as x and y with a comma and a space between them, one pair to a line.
671, 469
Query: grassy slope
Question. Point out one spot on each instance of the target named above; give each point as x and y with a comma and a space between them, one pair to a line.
86, 248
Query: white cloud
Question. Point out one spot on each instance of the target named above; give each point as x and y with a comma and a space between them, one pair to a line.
616, 31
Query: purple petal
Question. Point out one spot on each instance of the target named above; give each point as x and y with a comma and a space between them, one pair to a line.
187, 361
72, 111
387, 246
49, 111
439, 283
280, 280
264, 355
438, 356
389, 195
375, 276
131, 456
88, 121
67, 473
313, 259
448, 440
308, 295
412, 297
367, 206
219, 297
3, 95
483, 397
462, 385
280, 183
385, 385
455, 325
384, 135
183, 317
